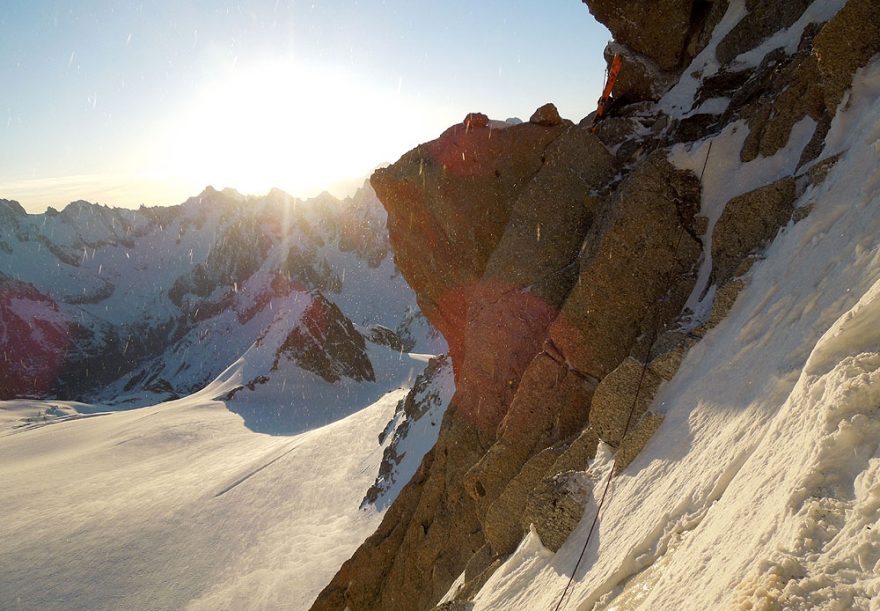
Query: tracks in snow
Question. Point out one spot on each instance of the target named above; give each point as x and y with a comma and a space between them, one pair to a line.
250, 474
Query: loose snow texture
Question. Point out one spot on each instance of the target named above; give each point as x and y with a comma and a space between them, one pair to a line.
179, 505
764, 472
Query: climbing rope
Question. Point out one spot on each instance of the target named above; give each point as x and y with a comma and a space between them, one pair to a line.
632, 409
610, 473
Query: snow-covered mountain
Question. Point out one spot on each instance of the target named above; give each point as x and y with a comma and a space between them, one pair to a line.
127, 307
255, 384
663, 383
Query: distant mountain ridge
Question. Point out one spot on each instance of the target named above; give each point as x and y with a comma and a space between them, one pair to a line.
127, 307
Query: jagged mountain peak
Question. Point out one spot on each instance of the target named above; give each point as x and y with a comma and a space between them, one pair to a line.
11, 206
163, 299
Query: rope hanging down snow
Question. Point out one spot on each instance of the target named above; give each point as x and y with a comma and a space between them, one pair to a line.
629, 417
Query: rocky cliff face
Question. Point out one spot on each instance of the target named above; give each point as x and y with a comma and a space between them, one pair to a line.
571, 271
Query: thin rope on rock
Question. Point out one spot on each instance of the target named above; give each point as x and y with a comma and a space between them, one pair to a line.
610, 472
629, 418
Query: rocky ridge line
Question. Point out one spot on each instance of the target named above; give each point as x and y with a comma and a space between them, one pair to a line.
558, 263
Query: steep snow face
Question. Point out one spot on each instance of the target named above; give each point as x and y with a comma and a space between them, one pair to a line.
412, 431
178, 506
156, 303
760, 489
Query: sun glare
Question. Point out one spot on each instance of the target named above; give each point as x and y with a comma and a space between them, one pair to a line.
279, 124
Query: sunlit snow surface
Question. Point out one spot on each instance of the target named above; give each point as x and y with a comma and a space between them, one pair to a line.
178, 506
761, 489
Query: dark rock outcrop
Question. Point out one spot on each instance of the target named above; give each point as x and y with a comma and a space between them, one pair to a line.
555, 507
427, 398
640, 77
642, 250
384, 336
34, 340
236, 255
669, 32
810, 83
10, 212
656, 29
762, 19
326, 343
747, 223
546, 115
845, 44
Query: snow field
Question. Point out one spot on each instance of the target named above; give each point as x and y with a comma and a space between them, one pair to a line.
180, 506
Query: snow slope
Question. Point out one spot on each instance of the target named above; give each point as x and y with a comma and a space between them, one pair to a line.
413, 431
178, 505
760, 490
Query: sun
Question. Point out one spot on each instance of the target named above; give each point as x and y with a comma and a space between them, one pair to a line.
286, 125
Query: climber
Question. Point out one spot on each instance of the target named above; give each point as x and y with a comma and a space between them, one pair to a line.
606, 93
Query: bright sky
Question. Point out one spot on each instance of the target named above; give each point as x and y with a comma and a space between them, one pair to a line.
148, 102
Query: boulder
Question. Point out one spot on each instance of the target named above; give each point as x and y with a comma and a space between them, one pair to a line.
476, 119
448, 203
638, 255
546, 115
556, 505
748, 222
658, 29
621, 398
